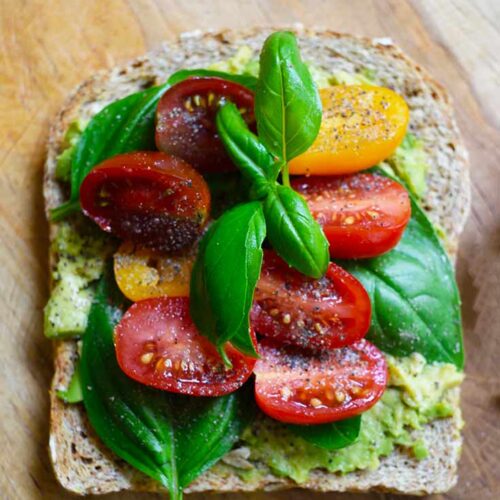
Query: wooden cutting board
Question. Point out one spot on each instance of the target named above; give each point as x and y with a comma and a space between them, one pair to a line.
49, 46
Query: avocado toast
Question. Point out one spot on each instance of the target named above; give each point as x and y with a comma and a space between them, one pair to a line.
84, 465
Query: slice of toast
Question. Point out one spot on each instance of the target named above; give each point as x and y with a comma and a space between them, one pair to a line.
81, 463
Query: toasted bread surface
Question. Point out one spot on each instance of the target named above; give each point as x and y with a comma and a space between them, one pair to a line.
81, 463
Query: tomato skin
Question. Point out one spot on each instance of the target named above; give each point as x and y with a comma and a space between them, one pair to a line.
185, 121
148, 197
158, 345
291, 308
361, 126
362, 215
142, 273
298, 387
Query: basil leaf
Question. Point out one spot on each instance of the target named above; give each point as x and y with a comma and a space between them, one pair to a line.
293, 232
123, 126
225, 274
207, 428
287, 103
171, 438
73, 393
246, 151
227, 189
248, 81
331, 436
414, 295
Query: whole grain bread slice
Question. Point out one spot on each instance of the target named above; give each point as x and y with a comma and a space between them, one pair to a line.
81, 463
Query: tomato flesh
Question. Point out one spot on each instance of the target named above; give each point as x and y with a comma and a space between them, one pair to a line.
158, 345
185, 121
150, 198
291, 308
362, 215
300, 387
142, 273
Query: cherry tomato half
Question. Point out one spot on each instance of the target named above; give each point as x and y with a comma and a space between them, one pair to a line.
362, 215
291, 308
298, 387
142, 273
158, 345
361, 126
185, 121
150, 198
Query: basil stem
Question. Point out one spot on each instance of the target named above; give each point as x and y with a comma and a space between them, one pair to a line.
224, 277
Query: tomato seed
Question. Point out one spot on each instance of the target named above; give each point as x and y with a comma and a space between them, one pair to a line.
340, 396
286, 319
147, 358
315, 402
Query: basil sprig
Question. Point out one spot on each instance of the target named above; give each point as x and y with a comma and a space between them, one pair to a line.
414, 295
333, 436
171, 438
288, 114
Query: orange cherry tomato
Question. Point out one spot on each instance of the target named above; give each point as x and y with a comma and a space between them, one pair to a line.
361, 126
143, 273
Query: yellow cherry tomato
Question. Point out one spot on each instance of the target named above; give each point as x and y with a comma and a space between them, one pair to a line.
361, 126
143, 273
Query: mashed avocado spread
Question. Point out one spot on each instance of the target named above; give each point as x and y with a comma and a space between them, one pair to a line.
417, 392
70, 140
81, 251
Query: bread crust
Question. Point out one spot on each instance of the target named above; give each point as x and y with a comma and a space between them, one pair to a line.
81, 463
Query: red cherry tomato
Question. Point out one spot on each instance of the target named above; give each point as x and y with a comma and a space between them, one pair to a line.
158, 345
150, 198
291, 308
185, 121
298, 387
362, 215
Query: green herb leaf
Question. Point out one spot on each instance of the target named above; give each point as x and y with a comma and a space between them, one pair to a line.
171, 438
294, 233
225, 274
330, 436
73, 393
246, 151
414, 295
248, 81
121, 127
287, 103
227, 189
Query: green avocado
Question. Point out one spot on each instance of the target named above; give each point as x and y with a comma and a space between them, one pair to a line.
410, 163
81, 251
71, 138
417, 393
243, 62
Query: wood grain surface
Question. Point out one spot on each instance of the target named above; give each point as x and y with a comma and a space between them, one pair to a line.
49, 46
